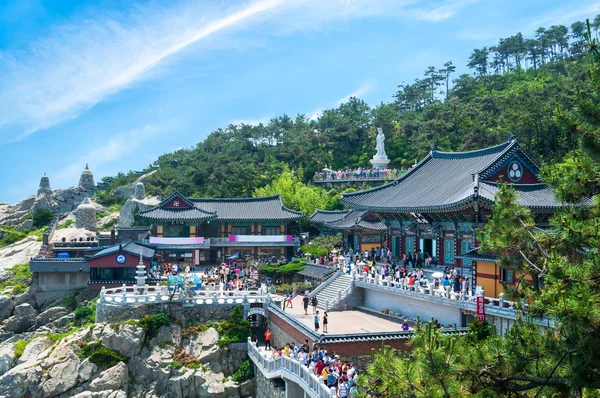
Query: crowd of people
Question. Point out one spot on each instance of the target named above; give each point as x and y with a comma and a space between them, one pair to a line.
339, 376
356, 174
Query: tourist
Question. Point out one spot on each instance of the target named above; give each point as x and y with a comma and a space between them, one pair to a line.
405, 325
268, 339
316, 318
255, 340
319, 366
314, 302
324, 374
331, 378
325, 322
438, 325
305, 301
456, 284
342, 390
288, 302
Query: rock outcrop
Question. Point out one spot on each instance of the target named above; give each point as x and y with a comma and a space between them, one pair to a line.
19, 252
48, 369
86, 215
23, 318
137, 203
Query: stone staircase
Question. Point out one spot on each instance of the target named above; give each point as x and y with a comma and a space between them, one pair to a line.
330, 292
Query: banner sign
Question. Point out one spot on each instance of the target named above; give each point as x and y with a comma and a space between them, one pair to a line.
480, 308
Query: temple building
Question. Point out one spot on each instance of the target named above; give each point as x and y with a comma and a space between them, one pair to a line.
198, 231
438, 205
359, 230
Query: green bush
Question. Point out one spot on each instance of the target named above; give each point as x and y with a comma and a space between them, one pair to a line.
11, 237
244, 372
70, 302
42, 218
151, 323
102, 356
235, 330
20, 348
85, 313
18, 289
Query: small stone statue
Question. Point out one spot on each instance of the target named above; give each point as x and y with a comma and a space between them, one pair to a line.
380, 145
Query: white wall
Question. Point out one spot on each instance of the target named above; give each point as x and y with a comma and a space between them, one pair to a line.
411, 307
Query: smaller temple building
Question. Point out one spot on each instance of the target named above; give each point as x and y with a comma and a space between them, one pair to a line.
195, 231
361, 231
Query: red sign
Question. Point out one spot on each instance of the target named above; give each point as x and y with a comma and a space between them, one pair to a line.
480, 308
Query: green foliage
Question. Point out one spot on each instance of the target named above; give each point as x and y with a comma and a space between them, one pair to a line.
244, 372
20, 280
287, 288
151, 323
323, 245
102, 356
66, 224
281, 270
42, 218
19, 348
70, 302
235, 330
298, 196
11, 236
85, 314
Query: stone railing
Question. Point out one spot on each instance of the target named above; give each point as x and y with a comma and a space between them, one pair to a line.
135, 295
328, 282
341, 296
353, 175
289, 369
493, 306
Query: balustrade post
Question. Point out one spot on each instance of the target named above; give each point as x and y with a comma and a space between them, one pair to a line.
102, 293
501, 300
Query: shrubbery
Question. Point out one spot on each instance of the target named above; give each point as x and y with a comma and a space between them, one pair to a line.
235, 330
20, 348
244, 372
151, 323
11, 237
102, 356
21, 278
42, 218
85, 314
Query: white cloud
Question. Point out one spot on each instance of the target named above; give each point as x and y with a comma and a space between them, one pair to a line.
358, 93
81, 62
120, 145
251, 122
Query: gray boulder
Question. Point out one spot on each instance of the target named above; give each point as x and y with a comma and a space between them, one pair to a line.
35, 348
25, 225
126, 217
7, 353
50, 315
115, 378
127, 340
169, 334
23, 318
6, 307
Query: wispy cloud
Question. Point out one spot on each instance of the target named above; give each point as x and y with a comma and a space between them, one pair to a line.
443, 11
251, 122
120, 145
361, 91
83, 61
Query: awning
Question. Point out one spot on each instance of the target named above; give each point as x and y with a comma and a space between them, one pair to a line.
313, 271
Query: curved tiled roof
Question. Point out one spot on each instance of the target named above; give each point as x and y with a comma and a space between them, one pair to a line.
265, 208
135, 249
322, 216
445, 180
156, 213
345, 219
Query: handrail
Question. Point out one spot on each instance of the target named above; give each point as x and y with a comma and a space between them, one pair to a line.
340, 297
290, 369
493, 306
133, 295
296, 324
328, 282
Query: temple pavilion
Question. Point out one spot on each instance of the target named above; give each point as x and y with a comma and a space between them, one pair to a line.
438, 205
195, 231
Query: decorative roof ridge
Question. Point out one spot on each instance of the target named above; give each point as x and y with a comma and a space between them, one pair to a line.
511, 150
169, 198
389, 184
330, 211
536, 185
474, 153
258, 199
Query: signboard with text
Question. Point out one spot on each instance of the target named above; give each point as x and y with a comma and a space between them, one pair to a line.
480, 308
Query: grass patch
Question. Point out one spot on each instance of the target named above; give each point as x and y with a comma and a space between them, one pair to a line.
20, 280
56, 337
102, 356
11, 237
20, 348
244, 372
66, 224
85, 314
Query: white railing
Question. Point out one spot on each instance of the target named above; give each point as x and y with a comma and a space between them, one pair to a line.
134, 295
341, 296
289, 369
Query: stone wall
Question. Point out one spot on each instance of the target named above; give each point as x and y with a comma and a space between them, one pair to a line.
62, 281
283, 332
110, 313
268, 388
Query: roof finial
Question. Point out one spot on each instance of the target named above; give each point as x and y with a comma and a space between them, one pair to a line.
86, 166
512, 137
44, 174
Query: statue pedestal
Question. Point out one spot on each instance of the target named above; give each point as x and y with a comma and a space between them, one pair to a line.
380, 163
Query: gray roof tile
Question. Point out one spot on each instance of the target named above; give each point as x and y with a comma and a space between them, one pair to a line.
265, 208
135, 249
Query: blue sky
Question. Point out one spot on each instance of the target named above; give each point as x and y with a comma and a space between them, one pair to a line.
118, 83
